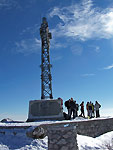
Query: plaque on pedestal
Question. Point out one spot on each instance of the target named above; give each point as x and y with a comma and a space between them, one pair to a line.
45, 110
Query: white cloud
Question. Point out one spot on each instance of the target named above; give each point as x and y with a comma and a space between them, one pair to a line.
82, 21
95, 48
57, 58
28, 46
87, 74
55, 44
108, 22
31, 30
77, 49
9, 4
108, 67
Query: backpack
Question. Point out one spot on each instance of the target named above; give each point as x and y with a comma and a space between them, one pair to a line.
77, 107
67, 103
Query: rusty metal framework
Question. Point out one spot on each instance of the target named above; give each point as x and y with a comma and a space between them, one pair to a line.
46, 86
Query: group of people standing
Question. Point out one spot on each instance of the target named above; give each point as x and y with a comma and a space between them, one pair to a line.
93, 110
73, 107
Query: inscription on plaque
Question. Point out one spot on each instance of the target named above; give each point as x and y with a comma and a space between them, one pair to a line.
45, 108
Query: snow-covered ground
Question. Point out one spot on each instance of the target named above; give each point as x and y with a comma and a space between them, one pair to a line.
11, 141
103, 142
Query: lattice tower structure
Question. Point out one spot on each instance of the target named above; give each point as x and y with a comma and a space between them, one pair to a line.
46, 78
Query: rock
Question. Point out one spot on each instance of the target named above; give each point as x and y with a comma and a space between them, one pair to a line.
62, 142
36, 132
7, 120
65, 148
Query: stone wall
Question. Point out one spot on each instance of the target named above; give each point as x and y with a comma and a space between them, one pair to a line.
92, 128
62, 137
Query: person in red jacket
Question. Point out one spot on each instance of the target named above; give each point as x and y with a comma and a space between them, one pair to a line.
87, 107
61, 102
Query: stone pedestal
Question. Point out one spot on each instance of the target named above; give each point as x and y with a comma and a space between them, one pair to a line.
45, 110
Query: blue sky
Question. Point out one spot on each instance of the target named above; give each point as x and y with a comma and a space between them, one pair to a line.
81, 52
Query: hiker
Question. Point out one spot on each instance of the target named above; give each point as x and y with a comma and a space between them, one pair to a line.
61, 101
93, 112
72, 108
76, 109
90, 109
67, 104
97, 106
82, 109
87, 107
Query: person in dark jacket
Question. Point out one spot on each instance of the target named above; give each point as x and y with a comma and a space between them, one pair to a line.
76, 109
90, 109
97, 106
72, 108
67, 104
82, 109
93, 112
